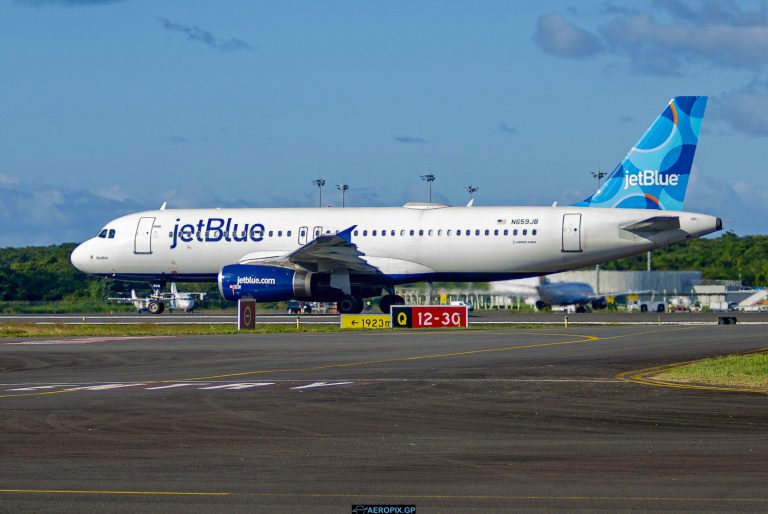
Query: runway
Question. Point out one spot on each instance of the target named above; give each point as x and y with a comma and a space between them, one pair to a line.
495, 420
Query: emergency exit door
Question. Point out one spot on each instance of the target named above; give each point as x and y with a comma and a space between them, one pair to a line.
571, 233
143, 241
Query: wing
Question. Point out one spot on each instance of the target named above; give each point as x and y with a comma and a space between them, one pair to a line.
325, 254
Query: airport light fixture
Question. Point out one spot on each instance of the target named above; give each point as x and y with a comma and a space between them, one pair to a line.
429, 178
342, 188
319, 182
599, 176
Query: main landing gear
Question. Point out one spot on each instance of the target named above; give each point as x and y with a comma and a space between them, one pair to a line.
389, 300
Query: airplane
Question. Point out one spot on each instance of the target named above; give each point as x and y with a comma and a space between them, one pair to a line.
158, 301
348, 255
579, 294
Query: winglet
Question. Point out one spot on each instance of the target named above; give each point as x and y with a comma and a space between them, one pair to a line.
346, 234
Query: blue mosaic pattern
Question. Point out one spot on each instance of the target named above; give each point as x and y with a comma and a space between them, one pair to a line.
655, 172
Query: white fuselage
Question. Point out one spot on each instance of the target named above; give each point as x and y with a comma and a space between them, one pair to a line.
405, 244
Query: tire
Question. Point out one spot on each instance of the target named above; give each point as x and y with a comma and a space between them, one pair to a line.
541, 305
581, 309
350, 305
155, 307
387, 301
643, 308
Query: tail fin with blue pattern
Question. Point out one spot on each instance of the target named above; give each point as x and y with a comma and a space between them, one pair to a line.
655, 172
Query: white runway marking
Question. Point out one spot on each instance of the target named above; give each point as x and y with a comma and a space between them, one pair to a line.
36, 388
104, 387
236, 387
185, 384
319, 384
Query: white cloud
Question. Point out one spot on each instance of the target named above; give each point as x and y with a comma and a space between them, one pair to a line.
557, 36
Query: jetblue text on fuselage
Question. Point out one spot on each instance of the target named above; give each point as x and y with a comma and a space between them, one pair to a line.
213, 230
650, 178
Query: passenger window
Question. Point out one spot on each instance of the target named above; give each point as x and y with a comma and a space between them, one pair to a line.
402, 233
448, 232
112, 233
355, 232
440, 232
383, 233
365, 232
533, 232
288, 233
487, 232
496, 232
373, 233
514, 232
430, 232
421, 232
279, 233
506, 232
458, 232
412, 232
271, 232
170, 234
525, 232
103, 234
477, 232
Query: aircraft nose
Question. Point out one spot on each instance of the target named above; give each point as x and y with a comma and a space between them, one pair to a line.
80, 258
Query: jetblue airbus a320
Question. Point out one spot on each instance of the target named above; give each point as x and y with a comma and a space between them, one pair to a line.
346, 255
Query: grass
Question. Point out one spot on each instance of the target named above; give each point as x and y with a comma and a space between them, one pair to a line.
750, 370
145, 329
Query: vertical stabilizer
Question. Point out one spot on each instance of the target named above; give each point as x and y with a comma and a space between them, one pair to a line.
655, 172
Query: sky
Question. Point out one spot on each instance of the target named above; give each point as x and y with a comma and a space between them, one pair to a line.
109, 107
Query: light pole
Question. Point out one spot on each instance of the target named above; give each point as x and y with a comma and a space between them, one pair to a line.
319, 182
471, 190
599, 176
342, 188
429, 178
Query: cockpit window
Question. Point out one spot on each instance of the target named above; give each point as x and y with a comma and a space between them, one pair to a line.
103, 234
112, 233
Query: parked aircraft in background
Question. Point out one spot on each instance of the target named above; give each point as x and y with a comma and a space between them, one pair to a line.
157, 302
347, 255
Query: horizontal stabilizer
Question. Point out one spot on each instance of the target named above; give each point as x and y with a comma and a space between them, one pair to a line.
654, 225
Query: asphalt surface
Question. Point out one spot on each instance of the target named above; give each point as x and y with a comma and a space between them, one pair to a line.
494, 420
476, 318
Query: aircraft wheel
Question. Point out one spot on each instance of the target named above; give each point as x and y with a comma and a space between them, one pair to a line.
387, 301
581, 309
350, 305
540, 306
155, 307
643, 308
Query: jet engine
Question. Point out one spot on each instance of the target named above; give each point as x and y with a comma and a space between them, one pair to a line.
599, 303
264, 283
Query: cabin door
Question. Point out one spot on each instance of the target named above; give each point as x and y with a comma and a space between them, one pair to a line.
143, 241
571, 232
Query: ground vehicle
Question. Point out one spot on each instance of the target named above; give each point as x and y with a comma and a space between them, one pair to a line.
297, 307
459, 303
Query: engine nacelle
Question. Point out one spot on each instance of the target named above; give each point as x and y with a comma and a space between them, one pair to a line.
263, 283
599, 303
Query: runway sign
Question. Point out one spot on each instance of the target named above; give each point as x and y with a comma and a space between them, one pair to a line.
429, 316
246, 314
366, 321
